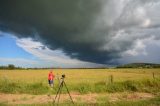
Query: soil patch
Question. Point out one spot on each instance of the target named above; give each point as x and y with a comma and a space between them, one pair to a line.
87, 98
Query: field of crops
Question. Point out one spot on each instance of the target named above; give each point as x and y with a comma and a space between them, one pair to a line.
83, 82
80, 75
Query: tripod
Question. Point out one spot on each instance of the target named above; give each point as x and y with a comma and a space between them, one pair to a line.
60, 90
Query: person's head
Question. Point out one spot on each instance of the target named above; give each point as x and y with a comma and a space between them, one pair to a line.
50, 71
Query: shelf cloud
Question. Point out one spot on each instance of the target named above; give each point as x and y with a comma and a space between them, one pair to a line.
97, 31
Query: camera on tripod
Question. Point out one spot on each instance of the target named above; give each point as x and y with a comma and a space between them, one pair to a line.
63, 75
62, 83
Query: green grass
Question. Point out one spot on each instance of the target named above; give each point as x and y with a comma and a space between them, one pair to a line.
147, 85
85, 81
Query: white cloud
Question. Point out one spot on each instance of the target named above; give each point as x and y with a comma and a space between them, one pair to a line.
146, 23
52, 58
19, 62
138, 48
146, 50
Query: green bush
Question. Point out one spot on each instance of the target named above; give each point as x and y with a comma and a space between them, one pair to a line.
100, 87
130, 85
8, 86
84, 88
36, 88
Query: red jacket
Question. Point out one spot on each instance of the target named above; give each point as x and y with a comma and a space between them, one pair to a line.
50, 76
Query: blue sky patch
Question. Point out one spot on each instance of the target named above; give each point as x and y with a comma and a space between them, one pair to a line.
9, 49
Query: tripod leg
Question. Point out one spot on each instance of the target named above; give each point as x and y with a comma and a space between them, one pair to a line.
68, 92
60, 93
57, 93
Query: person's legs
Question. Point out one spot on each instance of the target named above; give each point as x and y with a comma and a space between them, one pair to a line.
51, 83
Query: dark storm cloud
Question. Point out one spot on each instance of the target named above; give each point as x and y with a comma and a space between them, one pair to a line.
83, 29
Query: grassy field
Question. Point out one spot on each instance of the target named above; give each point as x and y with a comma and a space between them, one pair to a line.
83, 81
80, 75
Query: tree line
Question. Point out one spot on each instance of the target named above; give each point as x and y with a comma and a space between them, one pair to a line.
10, 67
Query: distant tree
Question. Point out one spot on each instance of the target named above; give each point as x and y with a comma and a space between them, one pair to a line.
11, 67
2, 67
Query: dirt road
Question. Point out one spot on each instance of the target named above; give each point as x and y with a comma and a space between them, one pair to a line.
86, 98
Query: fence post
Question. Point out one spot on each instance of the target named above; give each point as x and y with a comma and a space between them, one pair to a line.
111, 78
153, 75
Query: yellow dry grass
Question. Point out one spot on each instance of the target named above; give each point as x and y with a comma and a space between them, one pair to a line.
80, 75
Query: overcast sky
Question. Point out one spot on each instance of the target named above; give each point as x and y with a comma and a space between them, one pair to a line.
79, 33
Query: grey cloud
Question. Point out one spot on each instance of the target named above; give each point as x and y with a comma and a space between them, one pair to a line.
89, 30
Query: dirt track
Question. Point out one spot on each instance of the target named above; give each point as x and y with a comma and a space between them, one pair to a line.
89, 98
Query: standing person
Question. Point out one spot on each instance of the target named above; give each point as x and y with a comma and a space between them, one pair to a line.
51, 78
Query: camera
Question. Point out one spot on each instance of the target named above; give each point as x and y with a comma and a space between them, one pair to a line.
63, 75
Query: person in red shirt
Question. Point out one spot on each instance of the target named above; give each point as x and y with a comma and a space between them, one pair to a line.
51, 78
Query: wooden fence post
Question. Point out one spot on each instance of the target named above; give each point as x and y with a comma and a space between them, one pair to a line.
153, 75
111, 78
